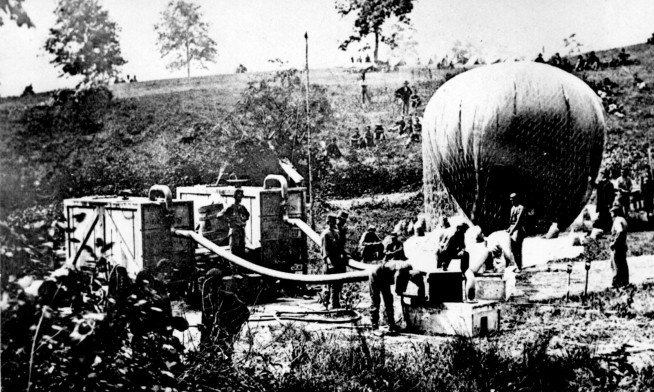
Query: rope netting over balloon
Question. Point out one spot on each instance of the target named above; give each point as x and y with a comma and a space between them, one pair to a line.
522, 128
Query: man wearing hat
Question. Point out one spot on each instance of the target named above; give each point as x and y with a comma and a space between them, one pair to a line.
223, 314
237, 217
370, 245
516, 229
404, 94
451, 246
619, 248
332, 255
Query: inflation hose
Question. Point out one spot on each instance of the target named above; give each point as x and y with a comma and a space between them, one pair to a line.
347, 277
295, 316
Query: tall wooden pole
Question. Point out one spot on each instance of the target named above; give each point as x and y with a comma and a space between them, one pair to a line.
306, 40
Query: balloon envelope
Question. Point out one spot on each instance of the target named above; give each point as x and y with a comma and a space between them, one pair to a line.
527, 128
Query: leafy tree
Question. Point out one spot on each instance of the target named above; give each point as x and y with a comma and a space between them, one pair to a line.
84, 41
371, 15
14, 10
184, 36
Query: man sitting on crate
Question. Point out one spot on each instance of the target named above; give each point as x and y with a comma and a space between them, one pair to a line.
237, 216
451, 245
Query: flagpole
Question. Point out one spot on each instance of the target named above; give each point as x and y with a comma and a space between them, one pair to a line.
306, 40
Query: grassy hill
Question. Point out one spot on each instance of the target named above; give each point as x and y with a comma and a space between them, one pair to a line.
180, 131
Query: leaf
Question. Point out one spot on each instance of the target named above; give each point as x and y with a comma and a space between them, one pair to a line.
79, 218
75, 240
99, 242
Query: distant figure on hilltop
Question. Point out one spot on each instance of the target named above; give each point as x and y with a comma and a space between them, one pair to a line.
593, 62
581, 63
556, 60
28, 91
623, 56
539, 59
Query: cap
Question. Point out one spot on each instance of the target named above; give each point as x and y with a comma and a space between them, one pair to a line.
462, 225
616, 209
238, 191
394, 234
331, 218
343, 215
406, 82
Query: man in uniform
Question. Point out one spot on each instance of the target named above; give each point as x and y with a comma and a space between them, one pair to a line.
452, 246
370, 245
625, 187
516, 229
619, 248
237, 216
341, 224
404, 94
332, 150
380, 282
394, 249
223, 314
332, 257
605, 196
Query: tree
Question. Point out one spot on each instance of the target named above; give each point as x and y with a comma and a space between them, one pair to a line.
182, 35
14, 10
84, 41
371, 15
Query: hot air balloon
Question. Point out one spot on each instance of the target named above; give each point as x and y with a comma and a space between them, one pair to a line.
527, 128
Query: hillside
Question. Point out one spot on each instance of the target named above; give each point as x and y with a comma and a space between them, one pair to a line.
180, 131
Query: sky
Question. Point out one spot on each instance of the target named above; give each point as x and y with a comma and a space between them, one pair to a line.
252, 32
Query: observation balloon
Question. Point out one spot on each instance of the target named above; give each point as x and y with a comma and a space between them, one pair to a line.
527, 128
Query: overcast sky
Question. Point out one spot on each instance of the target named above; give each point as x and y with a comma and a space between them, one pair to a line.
250, 32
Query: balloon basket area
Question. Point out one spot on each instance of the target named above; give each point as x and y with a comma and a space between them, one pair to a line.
467, 319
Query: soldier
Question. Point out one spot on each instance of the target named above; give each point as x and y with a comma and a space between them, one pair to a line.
333, 262
619, 248
404, 94
223, 314
540, 59
516, 229
380, 282
452, 246
354, 139
379, 132
332, 150
399, 125
370, 245
624, 57
394, 249
581, 63
368, 137
604, 199
592, 62
237, 216
624, 190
